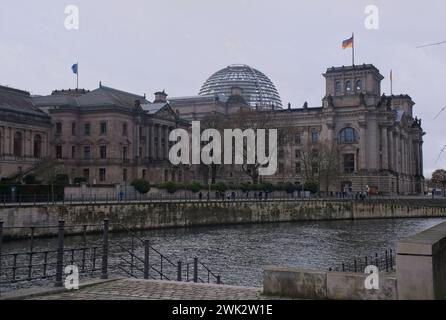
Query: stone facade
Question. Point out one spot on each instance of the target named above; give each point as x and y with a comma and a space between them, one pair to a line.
112, 137
378, 142
24, 133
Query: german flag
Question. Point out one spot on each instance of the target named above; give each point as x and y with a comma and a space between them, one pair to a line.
348, 43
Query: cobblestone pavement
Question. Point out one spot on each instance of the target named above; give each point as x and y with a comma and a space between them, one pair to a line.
134, 289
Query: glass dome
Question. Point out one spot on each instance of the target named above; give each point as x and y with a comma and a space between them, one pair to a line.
258, 90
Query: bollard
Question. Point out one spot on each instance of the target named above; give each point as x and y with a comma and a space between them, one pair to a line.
104, 274
146, 259
218, 280
60, 252
179, 271
195, 270
1, 241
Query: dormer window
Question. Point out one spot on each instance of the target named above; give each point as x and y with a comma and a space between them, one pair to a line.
348, 86
359, 85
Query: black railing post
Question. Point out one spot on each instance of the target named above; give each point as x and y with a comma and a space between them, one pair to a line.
60, 252
1, 241
104, 274
391, 259
195, 270
179, 271
218, 280
146, 259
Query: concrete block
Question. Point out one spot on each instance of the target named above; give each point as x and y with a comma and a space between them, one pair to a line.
295, 283
351, 286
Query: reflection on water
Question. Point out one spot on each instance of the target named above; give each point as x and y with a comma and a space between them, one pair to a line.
240, 252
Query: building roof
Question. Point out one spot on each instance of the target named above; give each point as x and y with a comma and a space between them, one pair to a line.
18, 101
100, 97
257, 88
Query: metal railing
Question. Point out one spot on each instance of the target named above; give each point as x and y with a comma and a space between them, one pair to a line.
384, 261
138, 259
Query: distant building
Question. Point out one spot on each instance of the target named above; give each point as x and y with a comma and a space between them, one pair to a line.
108, 136
378, 142
24, 133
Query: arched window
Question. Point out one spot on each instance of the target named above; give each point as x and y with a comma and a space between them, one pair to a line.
348, 86
37, 146
358, 85
338, 87
348, 135
18, 142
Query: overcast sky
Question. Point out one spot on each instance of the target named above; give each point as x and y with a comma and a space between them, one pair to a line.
144, 46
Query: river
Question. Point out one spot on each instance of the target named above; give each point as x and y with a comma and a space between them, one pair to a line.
240, 252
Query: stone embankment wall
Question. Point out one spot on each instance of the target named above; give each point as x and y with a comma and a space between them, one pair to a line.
186, 214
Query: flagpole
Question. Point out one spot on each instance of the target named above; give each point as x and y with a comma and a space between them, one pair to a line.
391, 82
77, 77
353, 50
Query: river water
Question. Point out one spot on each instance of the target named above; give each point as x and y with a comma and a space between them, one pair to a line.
240, 252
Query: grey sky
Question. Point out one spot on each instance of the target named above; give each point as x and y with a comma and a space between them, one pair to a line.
144, 46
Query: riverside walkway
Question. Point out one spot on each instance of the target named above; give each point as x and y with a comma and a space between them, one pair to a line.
136, 289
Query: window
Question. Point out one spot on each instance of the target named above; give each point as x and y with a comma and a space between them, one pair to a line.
125, 155
103, 128
18, 144
73, 152
58, 128
349, 163
348, 86
87, 152
297, 168
124, 129
86, 173
58, 152
102, 174
297, 154
124, 174
144, 171
315, 167
37, 146
297, 138
166, 175
87, 129
314, 136
103, 152
140, 152
358, 85
348, 135
338, 87
73, 128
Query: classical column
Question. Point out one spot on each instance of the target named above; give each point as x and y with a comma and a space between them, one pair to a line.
159, 152
362, 146
11, 141
166, 143
152, 141
384, 149
148, 137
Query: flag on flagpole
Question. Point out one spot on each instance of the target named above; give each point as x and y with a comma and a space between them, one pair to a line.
348, 43
75, 68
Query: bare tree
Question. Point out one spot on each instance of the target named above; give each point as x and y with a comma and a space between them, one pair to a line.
439, 177
320, 162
